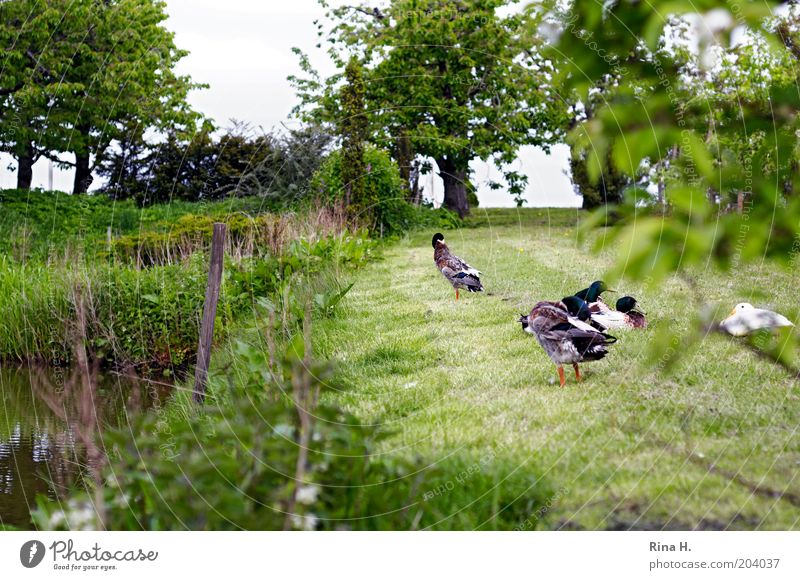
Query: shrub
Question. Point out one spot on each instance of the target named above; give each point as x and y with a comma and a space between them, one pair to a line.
384, 206
234, 465
240, 162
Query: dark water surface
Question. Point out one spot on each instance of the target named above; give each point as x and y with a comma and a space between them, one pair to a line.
51, 422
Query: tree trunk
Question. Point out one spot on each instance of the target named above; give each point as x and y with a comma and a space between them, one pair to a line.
405, 161
416, 192
25, 163
83, 173
455, 186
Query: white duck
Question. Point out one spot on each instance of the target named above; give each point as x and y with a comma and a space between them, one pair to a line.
745, 318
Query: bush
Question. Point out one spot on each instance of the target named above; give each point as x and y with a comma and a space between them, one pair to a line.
233, 466
384, 206
240, 162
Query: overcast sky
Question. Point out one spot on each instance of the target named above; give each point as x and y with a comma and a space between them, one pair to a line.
242, 49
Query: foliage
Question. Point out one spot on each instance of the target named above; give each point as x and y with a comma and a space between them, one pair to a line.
110, 72
383, 199
144, 317
257, 457
275, 166
453, 81
353, 133
256, 278
609, 189
683, 121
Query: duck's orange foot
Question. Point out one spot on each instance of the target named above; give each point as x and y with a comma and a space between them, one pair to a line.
561, 375
577, 372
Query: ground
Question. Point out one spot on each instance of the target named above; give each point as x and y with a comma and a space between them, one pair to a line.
709, 443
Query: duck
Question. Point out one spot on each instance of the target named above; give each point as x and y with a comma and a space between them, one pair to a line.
745, 319
626, 315
593, 292
564, 338
578, 308
460, 274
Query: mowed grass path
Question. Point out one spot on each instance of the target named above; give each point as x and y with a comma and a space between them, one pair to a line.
711, 443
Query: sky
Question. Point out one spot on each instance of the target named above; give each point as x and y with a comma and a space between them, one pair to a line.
243, 50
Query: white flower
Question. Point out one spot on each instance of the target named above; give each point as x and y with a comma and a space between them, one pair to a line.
81, 516
307, 494
307, 523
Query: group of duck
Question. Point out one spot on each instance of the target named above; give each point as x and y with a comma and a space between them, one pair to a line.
574, 329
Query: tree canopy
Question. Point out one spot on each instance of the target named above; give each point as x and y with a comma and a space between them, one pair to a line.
78, 75
450, 80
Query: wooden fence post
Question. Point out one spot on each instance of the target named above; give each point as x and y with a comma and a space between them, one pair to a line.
209, 313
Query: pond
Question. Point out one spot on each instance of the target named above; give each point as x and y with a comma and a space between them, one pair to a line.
51, 421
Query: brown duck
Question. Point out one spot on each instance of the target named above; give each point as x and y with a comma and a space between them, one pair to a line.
457, 271
564, 338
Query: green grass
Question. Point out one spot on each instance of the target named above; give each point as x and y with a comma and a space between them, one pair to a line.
39, 224
703, 444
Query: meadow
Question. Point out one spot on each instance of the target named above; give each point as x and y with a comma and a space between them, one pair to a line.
649, 439
137, 276
443, 415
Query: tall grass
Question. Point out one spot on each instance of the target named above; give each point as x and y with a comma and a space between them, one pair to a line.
38, 225
145, 317
247, 235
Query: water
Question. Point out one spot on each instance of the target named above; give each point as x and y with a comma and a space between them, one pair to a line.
51, 422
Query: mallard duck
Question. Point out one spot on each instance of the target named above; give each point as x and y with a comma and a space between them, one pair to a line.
578, 308
636, 318
457, 271
564, 338
593, 292
625, 316
745, 319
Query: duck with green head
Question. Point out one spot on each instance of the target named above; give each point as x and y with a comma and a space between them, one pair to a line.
593, 292
626, 314
578, 308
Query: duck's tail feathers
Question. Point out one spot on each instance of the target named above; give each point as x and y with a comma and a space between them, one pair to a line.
470, 281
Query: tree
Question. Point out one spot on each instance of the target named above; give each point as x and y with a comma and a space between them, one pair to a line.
203, 166
608, 189
454, 78
36, 43
353, 132
88, 71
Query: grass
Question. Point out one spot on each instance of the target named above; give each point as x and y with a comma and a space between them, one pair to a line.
143, 303
41, 225
708, 443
